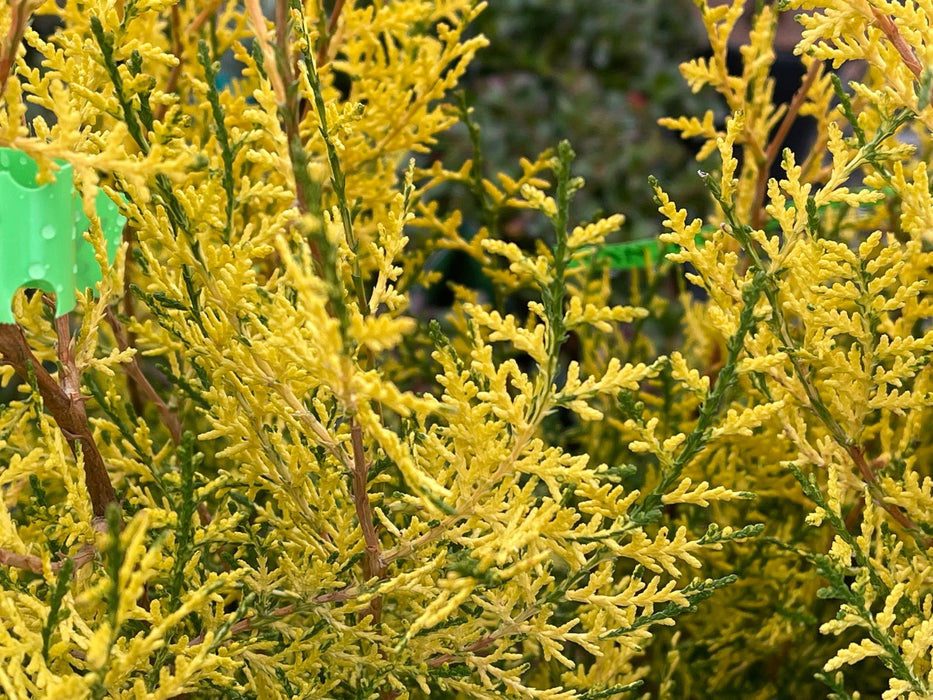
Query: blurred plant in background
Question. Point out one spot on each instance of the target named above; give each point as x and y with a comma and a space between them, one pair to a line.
599, 73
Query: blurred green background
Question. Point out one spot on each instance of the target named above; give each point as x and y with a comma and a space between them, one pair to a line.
599, 73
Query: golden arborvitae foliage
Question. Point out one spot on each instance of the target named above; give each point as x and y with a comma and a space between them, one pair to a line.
250, 464
239, 468
819, 282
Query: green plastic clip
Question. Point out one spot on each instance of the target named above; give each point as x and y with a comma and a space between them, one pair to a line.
42, 245
644, 252
633, 254
639, 253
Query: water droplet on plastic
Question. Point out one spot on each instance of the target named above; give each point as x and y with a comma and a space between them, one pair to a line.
47, 232
5, 159
38, 270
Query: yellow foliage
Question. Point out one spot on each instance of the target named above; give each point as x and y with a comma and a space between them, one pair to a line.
248, 465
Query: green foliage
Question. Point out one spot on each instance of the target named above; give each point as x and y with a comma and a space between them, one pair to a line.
599, 73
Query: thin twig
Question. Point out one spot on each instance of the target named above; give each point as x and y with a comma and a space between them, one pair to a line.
771, 153
205, 14
140, 383
871, 478
247, 623
886, 24
480, 644
485, 641
32, 563
838, 434
135, 373
373, 565
324, 46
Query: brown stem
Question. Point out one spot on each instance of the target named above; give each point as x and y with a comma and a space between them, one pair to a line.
32, 563
870, 478
247, 623
373, 566
886, 24
480, 644
853, 516
21, 11
136, 375
140, 384
486, 641
203, 16
26, 562
324, 46
854, 451
771, 153
136, 398
66, 406
177, 50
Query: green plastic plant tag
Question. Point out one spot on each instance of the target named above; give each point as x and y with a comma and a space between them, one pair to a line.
42, 245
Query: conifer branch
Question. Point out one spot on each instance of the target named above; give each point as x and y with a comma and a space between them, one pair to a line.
136, 375
373, 565
325, 40
21, 11
33, 564
773, 149
338, 177
887, 25
836, 431
65, 404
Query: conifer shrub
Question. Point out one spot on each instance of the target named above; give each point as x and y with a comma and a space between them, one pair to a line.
249, 465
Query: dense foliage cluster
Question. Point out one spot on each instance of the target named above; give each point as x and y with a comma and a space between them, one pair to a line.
250, 464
